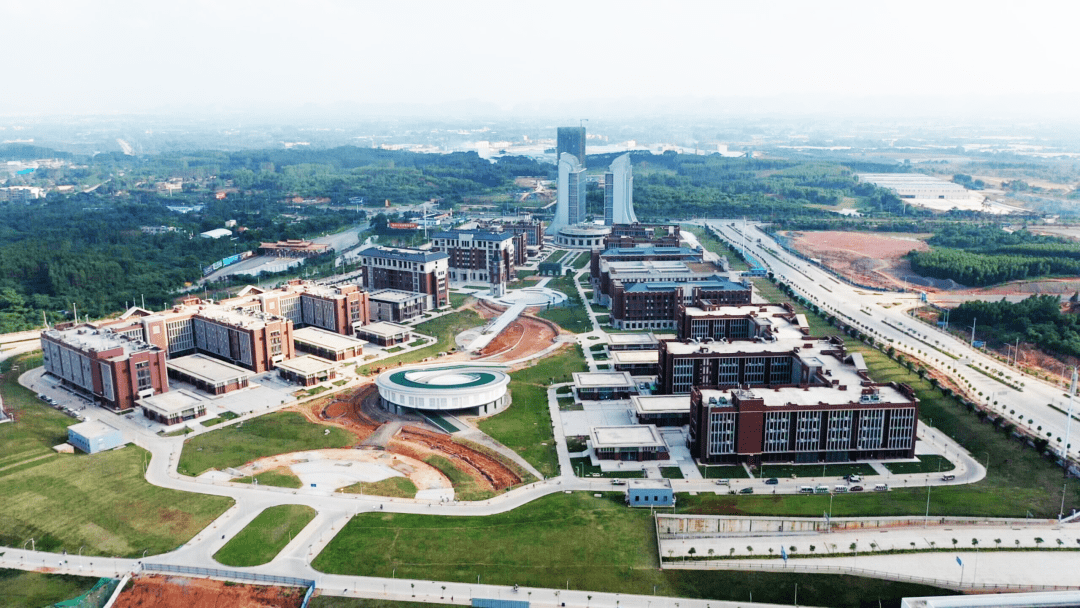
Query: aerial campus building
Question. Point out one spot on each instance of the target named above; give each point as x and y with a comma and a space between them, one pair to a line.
479, 256
570, 201
619, 193
414, 270
571, 140
481, 390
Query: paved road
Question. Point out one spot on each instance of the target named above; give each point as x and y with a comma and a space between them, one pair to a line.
874, 312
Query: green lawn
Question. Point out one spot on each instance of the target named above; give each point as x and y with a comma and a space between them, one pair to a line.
457, 300
21, 589
671, 472
444, 328
281, 477
582, 261
269, 435
100, 501
929, 463
465, 487
815, 470
556, 255
583, 467
265, 536
525, 427
396, 487
28, 442
571, 315
563, 540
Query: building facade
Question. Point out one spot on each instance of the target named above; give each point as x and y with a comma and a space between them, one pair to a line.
655, 305
571, 140
619, 193
413, 270
570, 198
477, 256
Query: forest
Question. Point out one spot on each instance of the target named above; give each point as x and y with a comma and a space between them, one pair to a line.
984, 254
1037, 320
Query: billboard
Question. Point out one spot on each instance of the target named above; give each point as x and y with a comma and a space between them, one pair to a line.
402, 225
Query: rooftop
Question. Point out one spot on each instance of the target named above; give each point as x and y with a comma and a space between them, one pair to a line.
631, 339
408, 255
634, 435
173, 401
473, 235
326, 339
603, 379
394, 295
384, 328
634, 357
660, 404
237, 317
308, 364
92, 339
651, 250
92, 428
207, 369
715, 283
849, 391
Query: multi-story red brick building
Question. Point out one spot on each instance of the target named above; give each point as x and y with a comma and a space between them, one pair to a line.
413, 270
632, 235
478, 256
114, 369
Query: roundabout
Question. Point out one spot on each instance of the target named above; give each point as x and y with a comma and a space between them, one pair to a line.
457, 387
528, 297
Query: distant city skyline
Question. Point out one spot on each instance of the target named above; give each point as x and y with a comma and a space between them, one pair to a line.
428, 57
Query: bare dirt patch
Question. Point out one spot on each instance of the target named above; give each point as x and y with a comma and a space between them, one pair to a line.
489, 472
523, 338
872, 259
156, 591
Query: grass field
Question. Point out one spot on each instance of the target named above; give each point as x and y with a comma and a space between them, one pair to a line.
723, 472
265, 536
815, 470
329, 601
457, 300
465, 487
583, 467
100, 501
929, 463
395, 487
28, 442
269, 435
572, 315
525, 426
443, 329
21, 589
280, 477
566, 539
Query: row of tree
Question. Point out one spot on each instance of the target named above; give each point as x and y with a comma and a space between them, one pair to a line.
1036, 320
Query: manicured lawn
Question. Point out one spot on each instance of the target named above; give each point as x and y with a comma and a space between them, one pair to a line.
395, 487
38, 427
100, 501
457, 300
671, 472
929, 463
570, 315
582, 261
20, 589
280, 477
269, 435
525, 427
583, 467
265, 536
556, 255
566, 539
444, 329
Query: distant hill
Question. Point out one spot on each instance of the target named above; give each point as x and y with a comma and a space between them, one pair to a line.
29, 152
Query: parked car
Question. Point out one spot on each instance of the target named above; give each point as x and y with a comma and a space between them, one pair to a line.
723, 482
747, 490
772, 481
948, 477
855, 489
618, 482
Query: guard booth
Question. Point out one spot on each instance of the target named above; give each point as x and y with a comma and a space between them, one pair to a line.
650, 493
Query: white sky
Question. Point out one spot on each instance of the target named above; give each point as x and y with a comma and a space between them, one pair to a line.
105, 55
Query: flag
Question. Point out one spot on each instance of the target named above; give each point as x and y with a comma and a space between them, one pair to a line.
783, 553
958, 561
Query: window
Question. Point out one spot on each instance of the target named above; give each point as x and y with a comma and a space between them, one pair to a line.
682, 375
142, 375
901, 428
839, 433
807, 431
776, 431
721, 433
871, 424
754, 372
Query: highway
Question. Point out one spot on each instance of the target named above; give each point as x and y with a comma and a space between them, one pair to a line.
874, 313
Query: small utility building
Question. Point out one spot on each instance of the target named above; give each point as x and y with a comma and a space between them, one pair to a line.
94, 436
650, 493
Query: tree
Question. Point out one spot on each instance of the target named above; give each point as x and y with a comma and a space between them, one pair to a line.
954, 542
691, 552
853, 547
997, 541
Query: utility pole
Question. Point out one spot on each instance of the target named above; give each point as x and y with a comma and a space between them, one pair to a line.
1068, 430
973, 332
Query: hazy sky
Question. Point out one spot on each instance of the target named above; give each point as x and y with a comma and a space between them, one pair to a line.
153, 55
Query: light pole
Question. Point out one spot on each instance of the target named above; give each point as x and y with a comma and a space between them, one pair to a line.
926, 519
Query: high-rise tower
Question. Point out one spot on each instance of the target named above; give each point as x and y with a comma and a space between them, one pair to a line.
570, 204
571, 140
619, 193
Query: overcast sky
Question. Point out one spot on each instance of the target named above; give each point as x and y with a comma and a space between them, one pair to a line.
151, 55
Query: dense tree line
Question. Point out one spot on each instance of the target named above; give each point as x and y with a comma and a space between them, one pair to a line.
1037, 320
984, 254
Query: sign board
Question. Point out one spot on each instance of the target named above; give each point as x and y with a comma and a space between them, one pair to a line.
403, 225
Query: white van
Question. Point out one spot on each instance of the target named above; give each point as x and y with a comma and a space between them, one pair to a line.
806, 490
948, 477
821, 490
840, 489
881, 487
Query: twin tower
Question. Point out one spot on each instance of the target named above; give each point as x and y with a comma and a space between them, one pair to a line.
570, 205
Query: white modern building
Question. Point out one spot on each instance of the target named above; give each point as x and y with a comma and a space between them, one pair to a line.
570, 203
619, 193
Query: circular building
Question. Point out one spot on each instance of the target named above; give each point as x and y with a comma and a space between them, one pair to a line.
582, 236
457, 387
